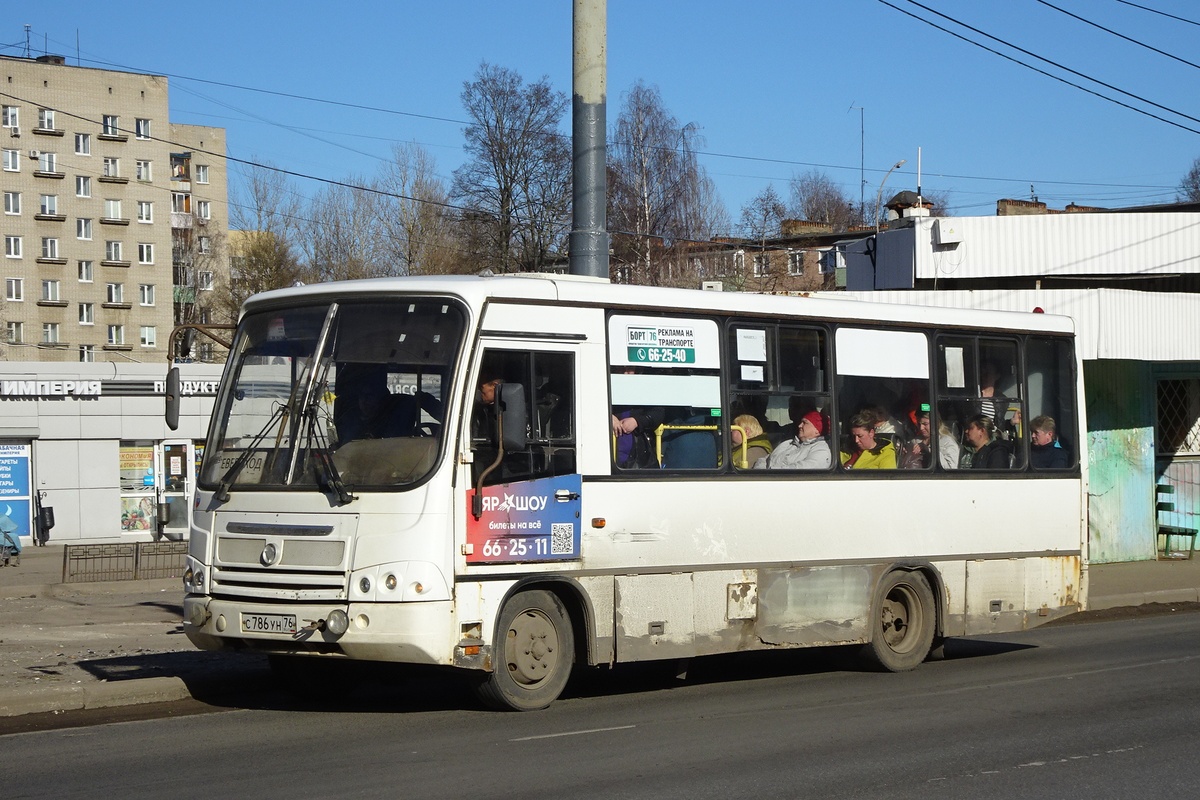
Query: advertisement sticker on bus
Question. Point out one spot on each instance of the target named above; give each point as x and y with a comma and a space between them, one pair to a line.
664, 342
536, 520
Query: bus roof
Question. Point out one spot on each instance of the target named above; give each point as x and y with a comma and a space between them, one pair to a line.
579, 290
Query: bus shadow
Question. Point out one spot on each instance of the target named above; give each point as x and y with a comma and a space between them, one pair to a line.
372, 688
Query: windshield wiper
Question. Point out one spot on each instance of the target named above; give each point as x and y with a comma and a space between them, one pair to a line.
235, 469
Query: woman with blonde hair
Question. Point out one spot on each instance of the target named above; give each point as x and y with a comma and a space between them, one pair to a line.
757, 444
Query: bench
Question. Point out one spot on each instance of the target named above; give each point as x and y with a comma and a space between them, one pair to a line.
1165, 532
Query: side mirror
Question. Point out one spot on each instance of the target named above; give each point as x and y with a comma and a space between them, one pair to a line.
172, 399
510, 411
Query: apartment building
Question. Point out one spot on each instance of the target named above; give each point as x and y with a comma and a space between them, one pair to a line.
113, 216
114, 229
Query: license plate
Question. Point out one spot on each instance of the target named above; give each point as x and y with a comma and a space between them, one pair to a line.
269, 623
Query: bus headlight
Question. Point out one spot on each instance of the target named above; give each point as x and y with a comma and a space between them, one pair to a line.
337, 622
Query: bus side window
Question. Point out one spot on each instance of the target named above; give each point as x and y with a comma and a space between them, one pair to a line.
548, 381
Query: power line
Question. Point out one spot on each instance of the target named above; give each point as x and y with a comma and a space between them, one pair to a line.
1120, 35
1041, 71
1156, 11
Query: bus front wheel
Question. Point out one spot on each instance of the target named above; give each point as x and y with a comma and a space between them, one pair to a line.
533, 653
904, 622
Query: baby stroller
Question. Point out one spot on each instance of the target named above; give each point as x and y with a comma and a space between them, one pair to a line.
10, 548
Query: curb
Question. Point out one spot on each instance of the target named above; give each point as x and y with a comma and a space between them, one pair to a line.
96, 695
1143, 598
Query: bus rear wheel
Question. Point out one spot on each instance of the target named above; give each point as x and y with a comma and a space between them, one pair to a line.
903, 630
533, 653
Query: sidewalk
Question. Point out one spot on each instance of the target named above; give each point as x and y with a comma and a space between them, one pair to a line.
97, 645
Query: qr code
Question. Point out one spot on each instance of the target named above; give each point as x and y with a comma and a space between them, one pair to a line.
562, 538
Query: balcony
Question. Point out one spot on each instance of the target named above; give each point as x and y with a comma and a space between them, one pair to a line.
181, 219
58, 176
118, 306
55, 261
50, 217
52, 303
185, 295
49, 132
107, 263
114, 221
112, 179
112, 137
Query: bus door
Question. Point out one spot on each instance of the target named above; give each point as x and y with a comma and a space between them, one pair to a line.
523, 501
176, 477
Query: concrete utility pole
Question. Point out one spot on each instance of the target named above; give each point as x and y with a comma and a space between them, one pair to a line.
588, 244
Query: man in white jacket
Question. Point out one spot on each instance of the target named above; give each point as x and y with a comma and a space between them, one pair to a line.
806, 450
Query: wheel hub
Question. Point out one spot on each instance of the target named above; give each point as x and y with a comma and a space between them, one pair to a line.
531, 648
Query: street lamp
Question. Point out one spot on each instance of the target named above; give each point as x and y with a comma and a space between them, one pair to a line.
879, 196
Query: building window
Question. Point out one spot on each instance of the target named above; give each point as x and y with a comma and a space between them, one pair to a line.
145, 253
146, 294
83, 228
12, 160
112, 209
49, 247
12, 202
116, 334
83, 144
112, 250
141, 128
204, 281
111, 126
46, 119
49, 333
143, 171
87, 353
50, 291
762, 265
181, 203
86, 272
112, 167
16, 332
203, 209
47, 162
14, 289
795, 262
12, 246
204, 245
115, 293
149, 336
49, 205
87, 314
83, 186
202, 173
145, 211
11, 116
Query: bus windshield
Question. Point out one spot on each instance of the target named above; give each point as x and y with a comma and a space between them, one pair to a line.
335, 397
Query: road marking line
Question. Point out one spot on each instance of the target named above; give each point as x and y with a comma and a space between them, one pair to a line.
572, 733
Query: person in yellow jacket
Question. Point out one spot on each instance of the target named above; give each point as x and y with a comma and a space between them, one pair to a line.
869, 452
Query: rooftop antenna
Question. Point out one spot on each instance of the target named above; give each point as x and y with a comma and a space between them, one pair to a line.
1032, 195
862, 173
919, 203
28, 52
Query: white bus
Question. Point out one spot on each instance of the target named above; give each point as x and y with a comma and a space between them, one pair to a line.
517, 475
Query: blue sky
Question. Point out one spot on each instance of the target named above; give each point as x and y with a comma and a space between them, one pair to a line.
771, 84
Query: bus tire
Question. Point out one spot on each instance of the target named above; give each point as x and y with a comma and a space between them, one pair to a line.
533, 653
903, 630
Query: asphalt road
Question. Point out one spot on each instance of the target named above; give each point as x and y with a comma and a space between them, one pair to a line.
1104, 710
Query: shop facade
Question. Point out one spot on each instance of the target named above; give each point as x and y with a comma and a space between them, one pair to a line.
90, 442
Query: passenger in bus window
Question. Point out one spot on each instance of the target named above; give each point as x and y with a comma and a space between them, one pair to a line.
1046, 452
918, 452
987, 451
806, 450
633, 430
869, 452
758, 446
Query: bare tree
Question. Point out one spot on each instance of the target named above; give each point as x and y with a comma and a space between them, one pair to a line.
761, 220
816, 198
415, 215
659, 195
517, 179
343, 237
1189, 186
265, 220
